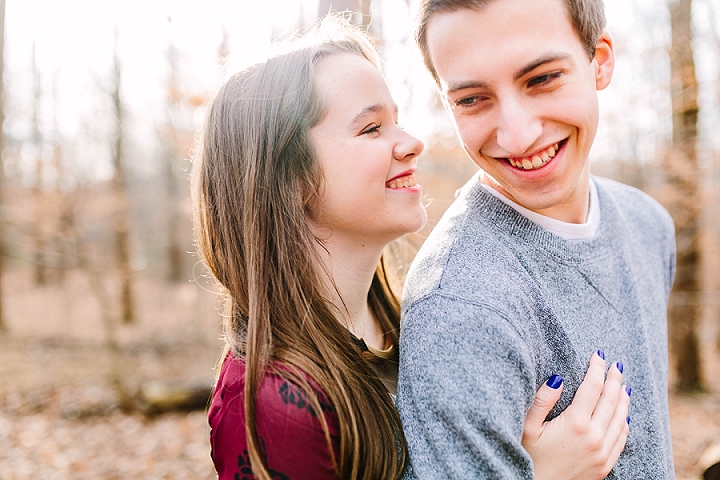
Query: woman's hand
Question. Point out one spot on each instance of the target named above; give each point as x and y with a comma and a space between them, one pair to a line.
584, 441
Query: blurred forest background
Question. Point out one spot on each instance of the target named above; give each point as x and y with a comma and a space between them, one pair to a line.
109, 327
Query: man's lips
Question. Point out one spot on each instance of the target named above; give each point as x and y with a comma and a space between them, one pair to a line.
536, 160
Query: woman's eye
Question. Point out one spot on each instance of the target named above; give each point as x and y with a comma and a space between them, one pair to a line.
374, 128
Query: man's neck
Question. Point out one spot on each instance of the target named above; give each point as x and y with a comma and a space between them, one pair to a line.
574, 209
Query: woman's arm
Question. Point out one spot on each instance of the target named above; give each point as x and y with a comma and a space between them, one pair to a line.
585, 441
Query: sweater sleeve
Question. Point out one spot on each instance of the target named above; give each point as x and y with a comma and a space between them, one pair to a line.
466, 381
291, 436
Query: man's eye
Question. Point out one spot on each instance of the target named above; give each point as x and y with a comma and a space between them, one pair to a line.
543, 79
371, 129
467, 101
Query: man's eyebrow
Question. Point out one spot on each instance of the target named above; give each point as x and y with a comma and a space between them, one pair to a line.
539, 62
454, 87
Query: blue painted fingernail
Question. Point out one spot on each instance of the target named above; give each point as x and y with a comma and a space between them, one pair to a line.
619, 366
628, 419
628, 389
601, 354
554, 382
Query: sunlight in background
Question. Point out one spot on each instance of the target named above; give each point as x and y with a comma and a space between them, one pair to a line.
62, 217
75, 38
74, 42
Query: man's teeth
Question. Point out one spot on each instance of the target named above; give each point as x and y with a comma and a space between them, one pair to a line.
535, 161
402, 182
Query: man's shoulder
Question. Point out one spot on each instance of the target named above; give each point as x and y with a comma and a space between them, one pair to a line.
462, 256
466, 256
479, 279
643, 212
627, 197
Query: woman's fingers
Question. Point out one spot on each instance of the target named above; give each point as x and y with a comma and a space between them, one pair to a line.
591, 432
611, 415
618, 429
591, 388
622, 425
610, 404
545, 399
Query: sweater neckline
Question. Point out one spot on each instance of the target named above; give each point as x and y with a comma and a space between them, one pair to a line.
509, 222
570, 231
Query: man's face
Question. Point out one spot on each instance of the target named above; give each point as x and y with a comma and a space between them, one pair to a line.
522, 93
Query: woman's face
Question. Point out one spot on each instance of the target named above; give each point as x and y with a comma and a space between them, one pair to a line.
369, 193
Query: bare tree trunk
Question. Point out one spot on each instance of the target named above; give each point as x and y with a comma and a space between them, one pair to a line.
122, 215
715, 29
683, 174
3, 325
38, 234
174, 251
361, 9
59, 246
327, 6
365, 12
118, 370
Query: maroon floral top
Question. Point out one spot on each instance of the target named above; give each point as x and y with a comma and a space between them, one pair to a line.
290, 434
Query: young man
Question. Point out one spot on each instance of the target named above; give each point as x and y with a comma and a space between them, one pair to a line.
537, 263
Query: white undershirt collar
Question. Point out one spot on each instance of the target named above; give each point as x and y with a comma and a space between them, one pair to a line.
569, 231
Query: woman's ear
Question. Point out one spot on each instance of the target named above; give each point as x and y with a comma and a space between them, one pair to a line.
605, 60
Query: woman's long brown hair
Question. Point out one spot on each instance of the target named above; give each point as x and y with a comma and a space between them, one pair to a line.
253, 178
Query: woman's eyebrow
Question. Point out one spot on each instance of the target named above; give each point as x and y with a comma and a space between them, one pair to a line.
378, 107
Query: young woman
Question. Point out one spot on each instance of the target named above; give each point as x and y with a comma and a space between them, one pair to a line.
302, 178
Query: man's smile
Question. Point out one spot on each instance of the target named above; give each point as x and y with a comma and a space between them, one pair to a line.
538, 159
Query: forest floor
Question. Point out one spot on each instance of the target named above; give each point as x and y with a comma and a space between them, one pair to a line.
59, 416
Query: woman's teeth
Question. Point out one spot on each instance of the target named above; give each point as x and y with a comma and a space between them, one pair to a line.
402, 182
535, 161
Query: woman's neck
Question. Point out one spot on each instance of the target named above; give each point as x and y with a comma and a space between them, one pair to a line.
352, 267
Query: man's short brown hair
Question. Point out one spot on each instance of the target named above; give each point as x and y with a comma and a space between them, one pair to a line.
586, 16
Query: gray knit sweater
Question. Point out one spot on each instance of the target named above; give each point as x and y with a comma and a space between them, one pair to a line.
495, 304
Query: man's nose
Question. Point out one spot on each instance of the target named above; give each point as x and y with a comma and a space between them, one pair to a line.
518, 127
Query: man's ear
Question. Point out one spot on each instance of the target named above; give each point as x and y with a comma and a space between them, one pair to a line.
605, 59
